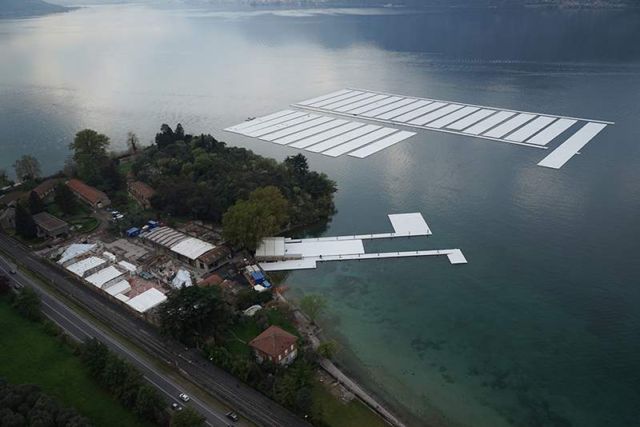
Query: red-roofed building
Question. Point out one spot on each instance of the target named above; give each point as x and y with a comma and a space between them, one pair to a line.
46, 187
142, 193
275, 345
88, 194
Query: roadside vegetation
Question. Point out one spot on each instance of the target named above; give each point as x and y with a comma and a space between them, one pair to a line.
201, 318
26, 404
34, 352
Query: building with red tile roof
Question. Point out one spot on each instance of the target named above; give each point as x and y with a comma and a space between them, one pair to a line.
275, 345
142, 193
88, 194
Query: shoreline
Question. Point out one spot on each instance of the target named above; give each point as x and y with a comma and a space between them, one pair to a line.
346, 379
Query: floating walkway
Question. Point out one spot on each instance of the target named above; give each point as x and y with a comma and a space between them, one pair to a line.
301, 254
321, 134
455, 256
497, 124
312, 131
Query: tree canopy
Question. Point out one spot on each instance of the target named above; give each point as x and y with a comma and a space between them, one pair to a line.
201, 178
4, 178
188, 417
25, 225
65, 199
247, 222
92, 163
36, 205
122, 379
27, 303
26, 404
313, 305
27, 168
193, 314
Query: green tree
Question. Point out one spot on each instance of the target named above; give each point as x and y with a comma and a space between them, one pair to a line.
27, 303
193, 314
313, 305
327, 349
264, 214
65, 199
90, 154
133, 142
36, 205
25, 225
298, 165
149, 404
298, 376
27, 168
4, 178
187, 418
94, 355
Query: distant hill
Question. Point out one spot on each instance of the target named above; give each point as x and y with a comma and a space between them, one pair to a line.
25, 8
578, 4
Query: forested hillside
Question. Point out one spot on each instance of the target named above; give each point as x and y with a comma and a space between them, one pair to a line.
24, 8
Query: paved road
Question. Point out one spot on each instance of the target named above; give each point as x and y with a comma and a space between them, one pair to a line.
245, 400
80, 329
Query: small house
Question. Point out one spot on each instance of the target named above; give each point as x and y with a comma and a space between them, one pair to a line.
50, 226
46, 187
276, 345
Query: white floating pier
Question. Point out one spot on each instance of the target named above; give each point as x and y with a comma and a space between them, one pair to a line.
382, 144
300, 254
335, 137
497, 124
571, 146
322, 134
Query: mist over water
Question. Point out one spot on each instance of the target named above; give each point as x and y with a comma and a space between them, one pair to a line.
541, 328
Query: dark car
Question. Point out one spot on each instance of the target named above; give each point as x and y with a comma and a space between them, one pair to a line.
232, 416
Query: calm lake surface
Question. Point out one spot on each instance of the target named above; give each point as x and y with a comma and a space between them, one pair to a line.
542, 327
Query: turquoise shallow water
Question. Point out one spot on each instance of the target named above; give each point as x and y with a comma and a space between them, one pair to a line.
541, 328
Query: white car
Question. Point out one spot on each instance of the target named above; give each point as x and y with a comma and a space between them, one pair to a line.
184, 397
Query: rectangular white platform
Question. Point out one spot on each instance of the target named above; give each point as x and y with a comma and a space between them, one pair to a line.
409, 224
571, 146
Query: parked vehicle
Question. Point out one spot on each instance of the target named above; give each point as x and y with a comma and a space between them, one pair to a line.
176, 407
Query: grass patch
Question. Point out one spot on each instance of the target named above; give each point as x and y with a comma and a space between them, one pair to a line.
336, 413
85, 224
80, 211
240, 334
279, 318
29, 355
125, 167
239, 337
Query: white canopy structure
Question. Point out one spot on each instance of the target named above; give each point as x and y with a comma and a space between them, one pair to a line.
74, 251
192, 248
81, 267
120, 287
104, 276
147, 300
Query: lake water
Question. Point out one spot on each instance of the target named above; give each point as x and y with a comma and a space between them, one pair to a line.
542, 327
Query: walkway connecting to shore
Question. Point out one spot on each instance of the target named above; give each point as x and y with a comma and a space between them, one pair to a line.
301, 254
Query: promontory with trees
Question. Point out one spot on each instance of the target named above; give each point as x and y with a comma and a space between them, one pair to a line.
199, 177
